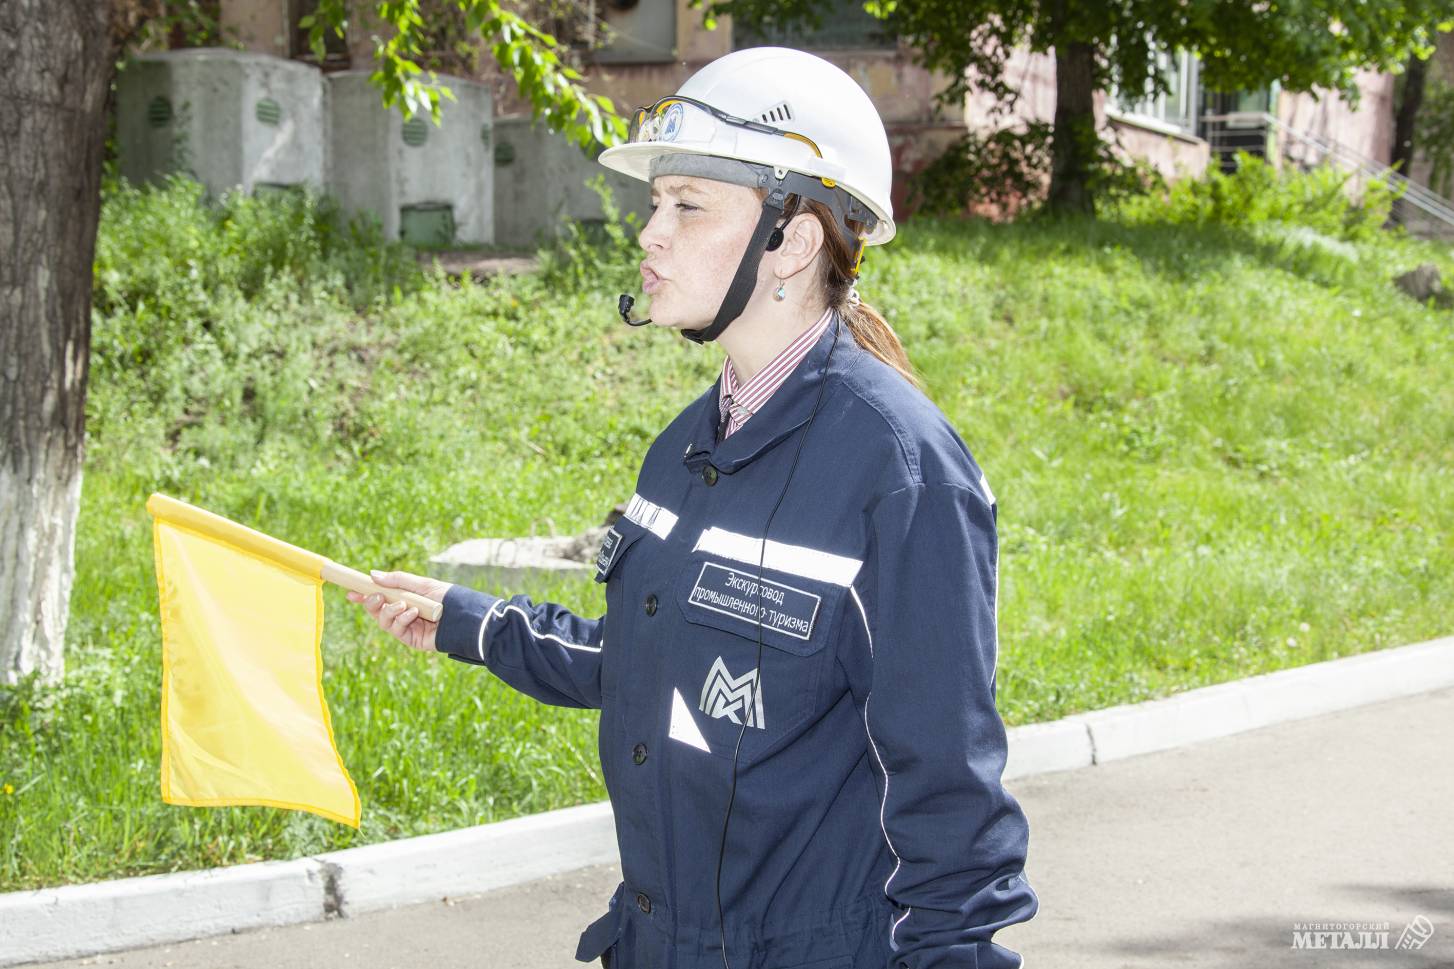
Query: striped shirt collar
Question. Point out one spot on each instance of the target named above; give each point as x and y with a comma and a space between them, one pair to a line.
741, 401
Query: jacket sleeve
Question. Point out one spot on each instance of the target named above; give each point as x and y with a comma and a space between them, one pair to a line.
544, 651
958, 837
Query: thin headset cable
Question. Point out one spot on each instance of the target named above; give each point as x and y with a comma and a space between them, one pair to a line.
757, 671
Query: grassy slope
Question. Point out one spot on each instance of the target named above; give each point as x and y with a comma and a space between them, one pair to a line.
1215, 454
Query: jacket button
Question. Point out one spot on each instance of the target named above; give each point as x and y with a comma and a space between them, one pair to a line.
651, 605
709, 475
638, 754
643, 903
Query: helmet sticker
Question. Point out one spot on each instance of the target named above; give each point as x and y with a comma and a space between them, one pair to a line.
671, 122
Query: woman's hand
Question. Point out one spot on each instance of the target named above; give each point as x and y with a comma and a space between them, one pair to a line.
400, 619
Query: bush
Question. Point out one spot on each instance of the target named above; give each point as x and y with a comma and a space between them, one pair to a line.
590, 255
1003, 172
1006, 173
211, 317
173, 245
1257, 194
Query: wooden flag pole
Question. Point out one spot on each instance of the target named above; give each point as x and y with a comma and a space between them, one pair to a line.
291, 556
355, 581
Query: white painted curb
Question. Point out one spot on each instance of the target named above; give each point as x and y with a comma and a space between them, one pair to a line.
1260, 701
472, 860
79, 920
1039, 748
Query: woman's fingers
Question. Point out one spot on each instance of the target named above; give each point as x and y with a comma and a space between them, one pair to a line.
399, 619
373, 604
396, 616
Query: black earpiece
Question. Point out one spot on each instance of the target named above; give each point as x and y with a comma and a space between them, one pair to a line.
776, 239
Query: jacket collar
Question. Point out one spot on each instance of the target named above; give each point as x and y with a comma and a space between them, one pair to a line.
786, 410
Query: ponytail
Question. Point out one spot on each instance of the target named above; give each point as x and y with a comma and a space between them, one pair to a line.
873, 333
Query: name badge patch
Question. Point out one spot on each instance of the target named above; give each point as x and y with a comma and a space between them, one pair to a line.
610, 545
788, 610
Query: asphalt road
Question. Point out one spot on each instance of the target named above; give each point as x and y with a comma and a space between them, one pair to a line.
1206, 856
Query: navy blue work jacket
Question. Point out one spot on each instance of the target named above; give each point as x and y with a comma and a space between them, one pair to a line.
870, 829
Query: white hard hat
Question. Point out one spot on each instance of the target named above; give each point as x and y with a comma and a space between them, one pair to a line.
777, 107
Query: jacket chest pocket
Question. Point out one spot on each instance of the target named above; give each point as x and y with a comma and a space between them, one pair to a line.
724, 602
611, 569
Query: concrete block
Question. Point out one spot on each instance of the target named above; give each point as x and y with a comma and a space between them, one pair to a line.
473, 860
517, 563
79, 920
413, 172
229, 118
1039, 748
540, 185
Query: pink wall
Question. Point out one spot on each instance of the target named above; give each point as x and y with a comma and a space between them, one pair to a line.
1368, 129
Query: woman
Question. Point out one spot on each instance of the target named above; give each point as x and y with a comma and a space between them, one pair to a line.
796, 669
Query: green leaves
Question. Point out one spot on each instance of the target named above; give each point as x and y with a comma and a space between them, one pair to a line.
530, 56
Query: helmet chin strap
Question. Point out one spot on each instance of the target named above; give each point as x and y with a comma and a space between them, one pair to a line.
765, 238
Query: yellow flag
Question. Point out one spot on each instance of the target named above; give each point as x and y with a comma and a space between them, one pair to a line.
244, 720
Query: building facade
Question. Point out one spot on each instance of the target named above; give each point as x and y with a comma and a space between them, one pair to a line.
657, 44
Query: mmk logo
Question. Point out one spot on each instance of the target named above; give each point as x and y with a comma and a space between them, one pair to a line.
724, 695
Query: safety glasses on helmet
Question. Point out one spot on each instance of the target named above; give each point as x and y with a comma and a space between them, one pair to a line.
677, 118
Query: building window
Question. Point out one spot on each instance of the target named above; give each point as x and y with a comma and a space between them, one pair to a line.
846, 26
1177, 108
335, 48
627, 31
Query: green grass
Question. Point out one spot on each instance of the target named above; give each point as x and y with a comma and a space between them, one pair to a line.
1217, 452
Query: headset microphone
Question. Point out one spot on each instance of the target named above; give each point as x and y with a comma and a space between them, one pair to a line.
623, 306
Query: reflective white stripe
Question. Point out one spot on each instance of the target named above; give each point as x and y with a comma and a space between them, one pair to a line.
883, 805
652, 517
810, 563
990, 497
498, 609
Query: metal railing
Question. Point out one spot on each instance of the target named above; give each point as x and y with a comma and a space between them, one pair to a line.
1227, 132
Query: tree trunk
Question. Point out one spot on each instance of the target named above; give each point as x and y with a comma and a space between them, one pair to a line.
1073, 146
58, 58
1401, 156
1408, 110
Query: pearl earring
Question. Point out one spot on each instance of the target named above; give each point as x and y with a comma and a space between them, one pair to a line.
780, 293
